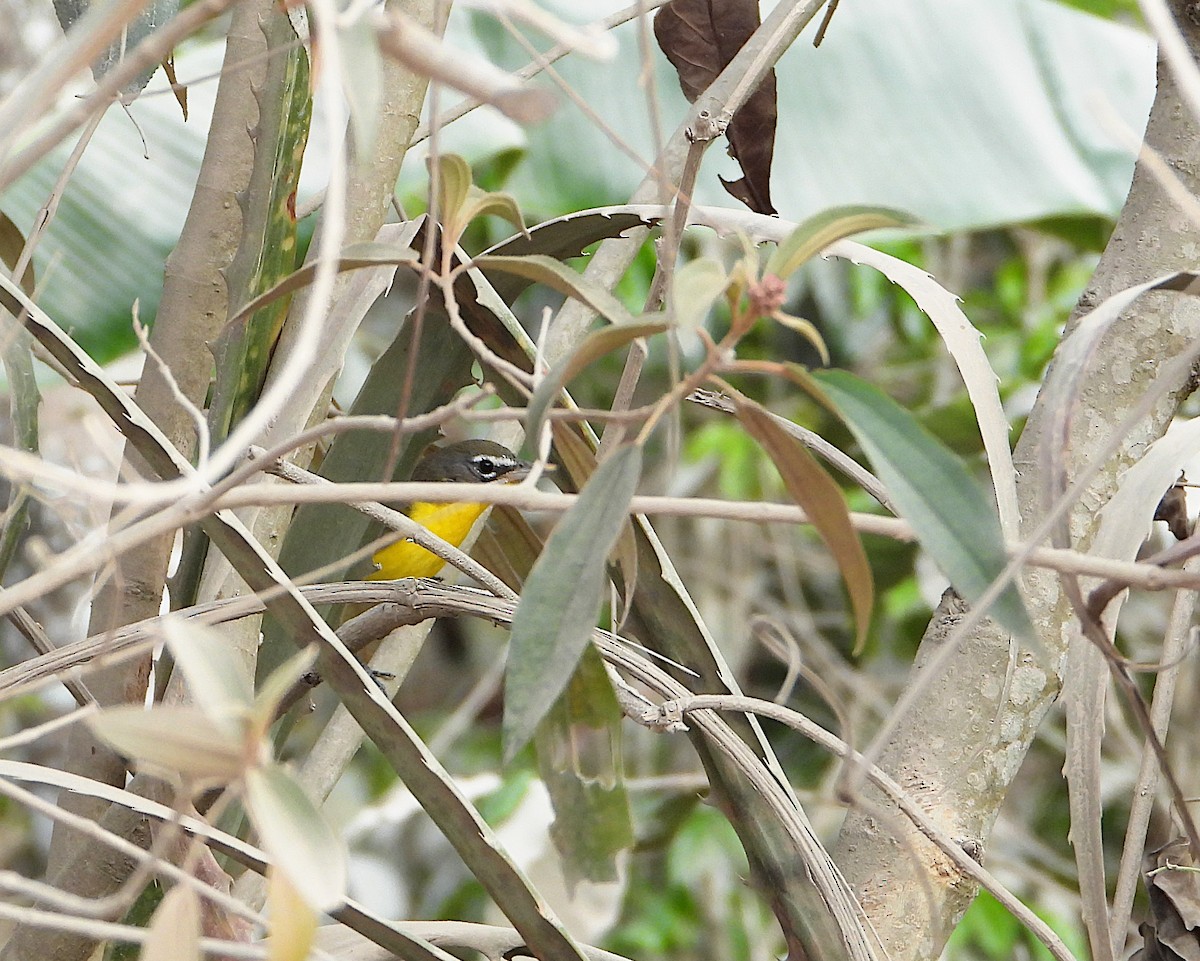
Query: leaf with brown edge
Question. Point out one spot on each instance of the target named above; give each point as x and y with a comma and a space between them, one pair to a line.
700, 38
820, 497
558, 276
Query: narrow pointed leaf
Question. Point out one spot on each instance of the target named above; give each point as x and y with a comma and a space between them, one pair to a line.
172, 738
815, 234
594, 346
560, 277
562, 597
954, 521
498, 204
815, 491
298, 839
174, 933
454, 183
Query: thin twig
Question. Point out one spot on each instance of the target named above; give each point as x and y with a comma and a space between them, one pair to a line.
126, 848
1094, 631
1177, 643
814, 442
1135, 574
40, 641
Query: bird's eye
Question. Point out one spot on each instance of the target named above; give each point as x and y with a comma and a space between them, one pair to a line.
486, 468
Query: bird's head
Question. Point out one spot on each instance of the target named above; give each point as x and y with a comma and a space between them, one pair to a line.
472, 462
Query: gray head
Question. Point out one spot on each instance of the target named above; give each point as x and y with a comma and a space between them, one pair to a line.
472, 461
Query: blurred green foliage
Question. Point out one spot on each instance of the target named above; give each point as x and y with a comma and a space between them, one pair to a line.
693, 901
989, 933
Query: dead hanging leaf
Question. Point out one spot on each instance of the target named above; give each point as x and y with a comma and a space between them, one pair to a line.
1172, 931
700, 38
1173, 509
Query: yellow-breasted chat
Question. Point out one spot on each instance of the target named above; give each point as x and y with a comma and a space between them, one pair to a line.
468, 461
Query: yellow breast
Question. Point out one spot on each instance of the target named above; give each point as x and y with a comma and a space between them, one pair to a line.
451, 522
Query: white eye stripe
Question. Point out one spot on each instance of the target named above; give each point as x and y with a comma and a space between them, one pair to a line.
493, 463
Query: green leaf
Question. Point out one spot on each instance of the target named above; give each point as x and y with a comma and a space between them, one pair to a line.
562, 595
696, 287
172, 738
558, 276
454, 184
954, 521
594, 346
815, 491
298, 839
820, 230
480, 202
579, 759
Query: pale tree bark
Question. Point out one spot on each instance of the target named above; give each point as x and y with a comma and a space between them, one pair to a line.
961, 745
192, 309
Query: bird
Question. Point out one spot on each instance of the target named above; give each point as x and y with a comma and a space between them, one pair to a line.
468, 461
